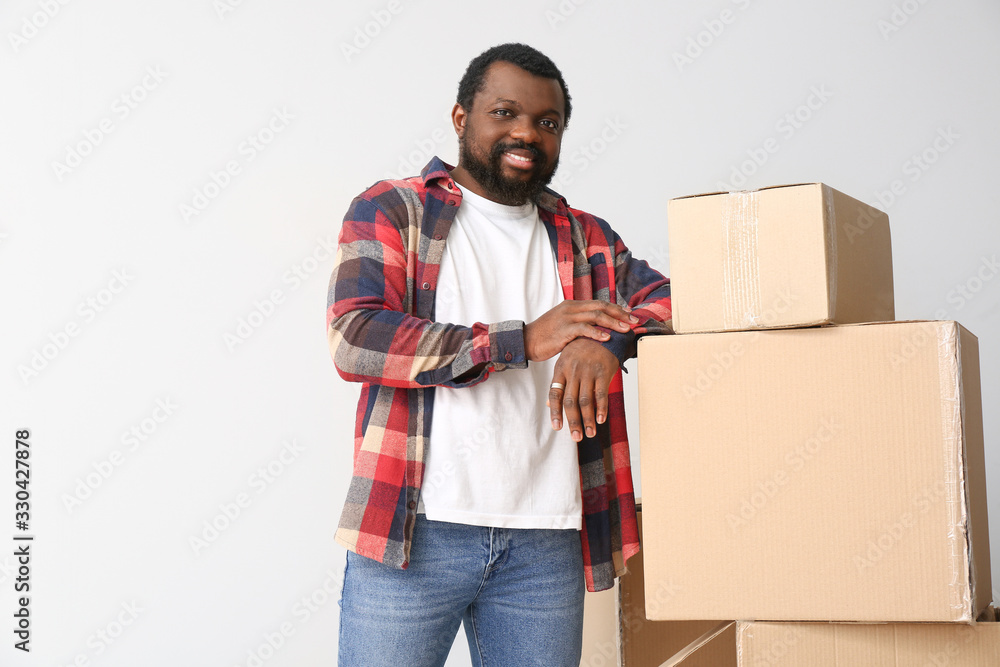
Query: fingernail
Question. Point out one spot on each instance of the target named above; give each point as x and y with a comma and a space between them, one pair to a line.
576, 435
628, 309
623, 325
590, 431
556, 425
633, 318
600, 419
605, 334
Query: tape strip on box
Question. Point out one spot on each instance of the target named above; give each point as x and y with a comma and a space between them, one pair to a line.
741, 273
950, 368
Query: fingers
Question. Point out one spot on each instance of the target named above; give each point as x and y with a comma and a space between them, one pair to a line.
586, 371
603, 314
546, 336
571, 406
555, 402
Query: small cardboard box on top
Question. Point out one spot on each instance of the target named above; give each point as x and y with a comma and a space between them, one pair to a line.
826, 474
784, 256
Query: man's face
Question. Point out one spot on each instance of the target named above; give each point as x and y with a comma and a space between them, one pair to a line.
509, 141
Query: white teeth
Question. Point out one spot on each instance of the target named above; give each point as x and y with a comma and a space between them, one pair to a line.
518, 157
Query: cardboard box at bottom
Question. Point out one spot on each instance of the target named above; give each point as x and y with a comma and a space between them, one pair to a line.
617, 633
645, 643
885, 645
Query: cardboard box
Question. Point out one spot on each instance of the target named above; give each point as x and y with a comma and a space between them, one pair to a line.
886, 645
828, 474
646, 643
617, 632
784, 256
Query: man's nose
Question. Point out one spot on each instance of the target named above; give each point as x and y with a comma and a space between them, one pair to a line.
526, 131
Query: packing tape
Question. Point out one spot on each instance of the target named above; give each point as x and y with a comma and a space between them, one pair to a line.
686, 652
741, 270
957, 502
830, 220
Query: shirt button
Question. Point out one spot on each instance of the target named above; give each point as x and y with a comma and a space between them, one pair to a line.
437, 237
451, 202
426, 285
412, 504
508, 356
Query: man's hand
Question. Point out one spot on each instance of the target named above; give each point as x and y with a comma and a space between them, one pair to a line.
549, 334
585, 369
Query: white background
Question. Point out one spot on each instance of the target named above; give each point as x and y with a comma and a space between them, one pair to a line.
893, 75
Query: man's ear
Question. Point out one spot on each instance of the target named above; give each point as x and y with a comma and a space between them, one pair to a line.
458, 118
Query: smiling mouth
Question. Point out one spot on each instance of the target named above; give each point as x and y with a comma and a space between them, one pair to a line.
519, 160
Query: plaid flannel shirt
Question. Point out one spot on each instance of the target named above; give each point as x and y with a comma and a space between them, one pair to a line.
382, 333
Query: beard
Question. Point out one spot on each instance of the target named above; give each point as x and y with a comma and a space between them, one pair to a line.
488, 173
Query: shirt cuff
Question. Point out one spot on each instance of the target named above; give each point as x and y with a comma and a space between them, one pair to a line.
507, 345
622, 345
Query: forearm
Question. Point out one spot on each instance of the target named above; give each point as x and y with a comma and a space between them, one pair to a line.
395, 349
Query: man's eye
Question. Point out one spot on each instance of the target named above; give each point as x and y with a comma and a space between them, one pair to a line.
551, 124
503, 112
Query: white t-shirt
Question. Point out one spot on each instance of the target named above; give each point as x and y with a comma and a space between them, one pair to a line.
493, 458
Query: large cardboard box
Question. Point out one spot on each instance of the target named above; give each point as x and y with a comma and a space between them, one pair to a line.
785, 256
829, 474
886, 645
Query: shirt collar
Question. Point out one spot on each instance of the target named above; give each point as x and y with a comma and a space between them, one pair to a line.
439, 170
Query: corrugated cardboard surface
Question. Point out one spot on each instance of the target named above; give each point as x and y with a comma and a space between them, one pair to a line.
718, 651
852, 645
600, 629
815, 474
778, 257
646, 643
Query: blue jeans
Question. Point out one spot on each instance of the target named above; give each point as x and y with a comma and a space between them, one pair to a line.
519, 593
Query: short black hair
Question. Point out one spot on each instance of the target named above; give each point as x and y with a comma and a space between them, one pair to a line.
527, 58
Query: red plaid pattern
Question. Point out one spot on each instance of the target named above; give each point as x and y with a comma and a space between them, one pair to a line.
382, 333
